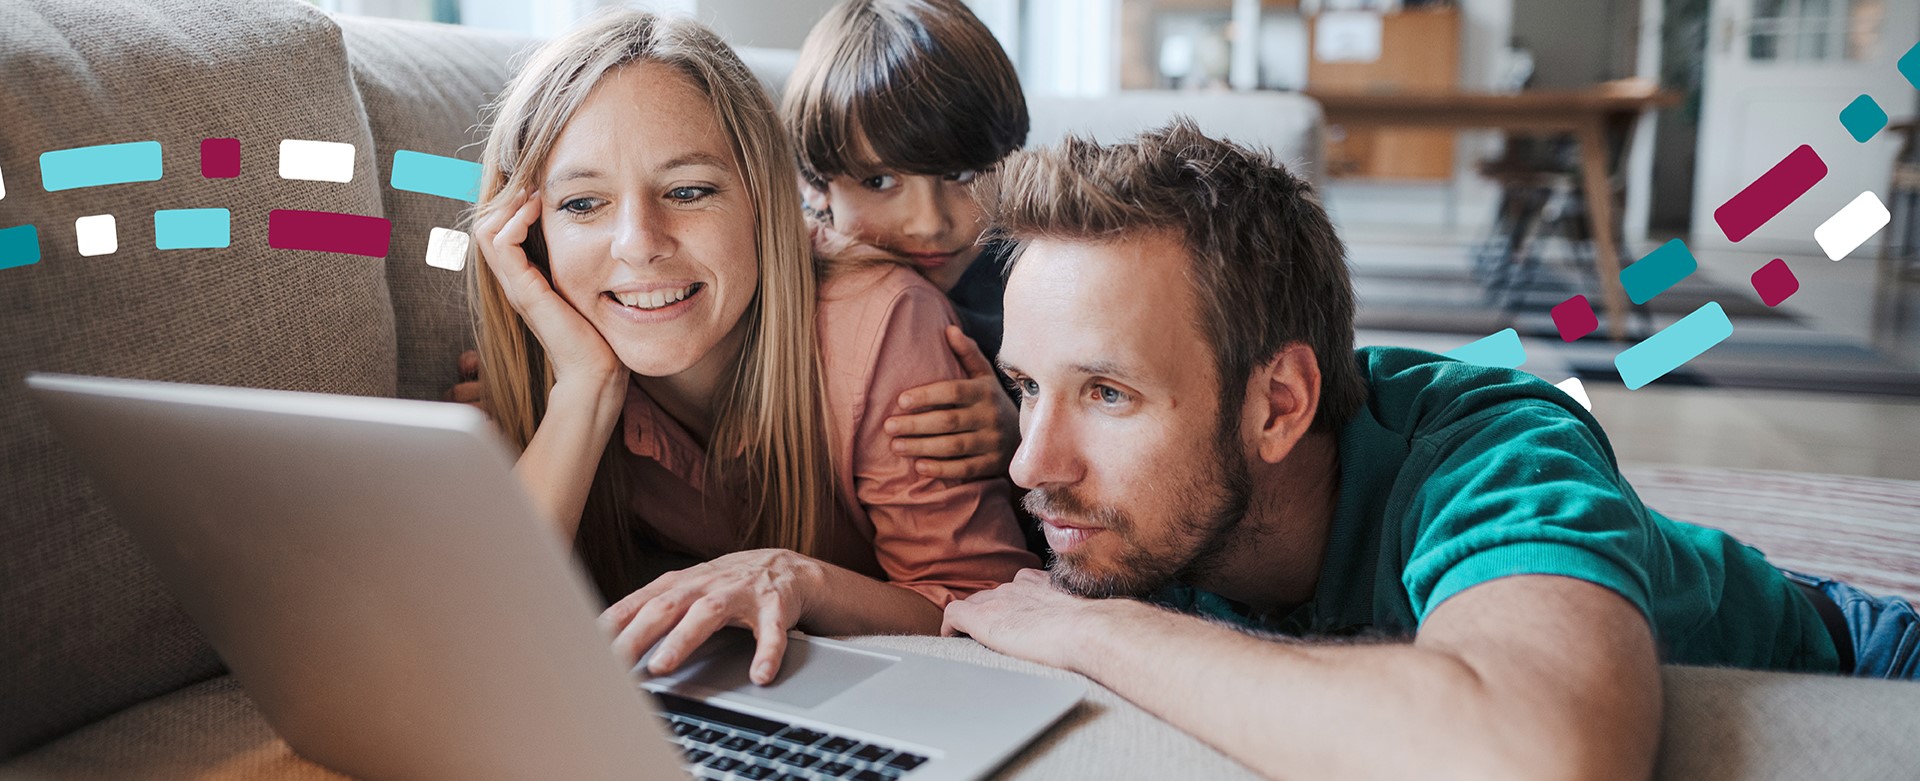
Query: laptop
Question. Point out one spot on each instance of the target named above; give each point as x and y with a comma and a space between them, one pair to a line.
374, 576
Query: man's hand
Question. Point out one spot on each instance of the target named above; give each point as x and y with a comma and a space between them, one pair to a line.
960, 429
1032, 619
470, 389
767, 591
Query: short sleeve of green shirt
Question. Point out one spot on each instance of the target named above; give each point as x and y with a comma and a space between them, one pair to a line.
1522, 488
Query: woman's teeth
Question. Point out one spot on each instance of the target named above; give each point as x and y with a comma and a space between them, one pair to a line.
656, 299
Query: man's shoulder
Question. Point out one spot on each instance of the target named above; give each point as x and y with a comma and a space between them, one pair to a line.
1418, 394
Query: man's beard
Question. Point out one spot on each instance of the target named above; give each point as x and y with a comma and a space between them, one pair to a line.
1208, 510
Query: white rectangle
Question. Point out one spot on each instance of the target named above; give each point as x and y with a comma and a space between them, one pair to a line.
316, 161
96, 235
1850, 227
1347, 36
1572, 387
447, 249
3, 187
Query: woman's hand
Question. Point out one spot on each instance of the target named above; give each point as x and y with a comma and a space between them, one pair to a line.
767, 591
576, 348
961, 429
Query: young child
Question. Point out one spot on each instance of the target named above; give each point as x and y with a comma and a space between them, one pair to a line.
894, 108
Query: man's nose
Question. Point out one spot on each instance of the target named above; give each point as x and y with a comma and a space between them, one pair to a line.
1048, 454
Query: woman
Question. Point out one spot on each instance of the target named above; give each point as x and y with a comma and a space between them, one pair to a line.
648, 330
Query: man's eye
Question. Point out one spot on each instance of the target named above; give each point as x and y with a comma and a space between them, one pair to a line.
962, 177
1026, 388
578, 205
881, 182
1108, 395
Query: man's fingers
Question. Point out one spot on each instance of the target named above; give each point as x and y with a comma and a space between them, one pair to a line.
946, 393
770, 647
975, 468
972, 360
704, 617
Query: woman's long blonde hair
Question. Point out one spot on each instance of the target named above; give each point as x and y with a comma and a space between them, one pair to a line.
769, 442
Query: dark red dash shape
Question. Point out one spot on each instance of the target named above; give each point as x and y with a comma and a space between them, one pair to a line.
350, 234
1781, 185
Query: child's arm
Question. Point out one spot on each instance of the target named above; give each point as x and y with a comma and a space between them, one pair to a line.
959, 429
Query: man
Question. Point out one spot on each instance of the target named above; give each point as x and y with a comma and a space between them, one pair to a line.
1197, 430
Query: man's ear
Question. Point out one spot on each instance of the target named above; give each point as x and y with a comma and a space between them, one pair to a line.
1283, 395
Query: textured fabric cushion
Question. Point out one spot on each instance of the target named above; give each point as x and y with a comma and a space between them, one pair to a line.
423, 86
1720, 724
85, 628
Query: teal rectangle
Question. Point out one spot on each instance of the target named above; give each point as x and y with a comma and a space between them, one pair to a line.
1673, 345
1502, 350
1660, 269
446, 177
192, 228
93, 166
19, 246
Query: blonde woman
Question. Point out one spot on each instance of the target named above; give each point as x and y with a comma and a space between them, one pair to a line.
654, 338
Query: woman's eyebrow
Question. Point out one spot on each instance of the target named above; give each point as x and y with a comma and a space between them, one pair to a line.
693, 159
571, 174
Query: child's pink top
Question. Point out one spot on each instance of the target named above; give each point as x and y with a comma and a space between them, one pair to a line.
881, 332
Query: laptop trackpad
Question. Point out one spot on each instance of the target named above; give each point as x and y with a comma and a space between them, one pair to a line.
809, 674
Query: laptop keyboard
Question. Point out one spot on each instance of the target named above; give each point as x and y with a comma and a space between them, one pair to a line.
726, 744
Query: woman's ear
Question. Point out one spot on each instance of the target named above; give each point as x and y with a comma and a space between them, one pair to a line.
1283, 396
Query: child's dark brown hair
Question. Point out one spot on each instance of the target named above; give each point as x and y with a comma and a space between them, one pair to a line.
910, 86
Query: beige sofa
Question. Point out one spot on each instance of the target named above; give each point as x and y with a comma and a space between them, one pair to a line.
101, 676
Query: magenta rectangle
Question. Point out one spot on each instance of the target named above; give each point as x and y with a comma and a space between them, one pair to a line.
1781, 185
350, 234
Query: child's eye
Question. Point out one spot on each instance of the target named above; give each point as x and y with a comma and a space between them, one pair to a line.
881, 182
689, 194
962, 177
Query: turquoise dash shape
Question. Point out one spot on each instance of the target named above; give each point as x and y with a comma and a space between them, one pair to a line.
1673, 346
1863, 118
1501, 350
446, 177
94, 166
192, 228
19, 246
1659, 270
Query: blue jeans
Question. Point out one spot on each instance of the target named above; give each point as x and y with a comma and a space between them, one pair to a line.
1885, 630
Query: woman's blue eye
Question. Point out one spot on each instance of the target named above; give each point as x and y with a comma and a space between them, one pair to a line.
578, 205
687, 194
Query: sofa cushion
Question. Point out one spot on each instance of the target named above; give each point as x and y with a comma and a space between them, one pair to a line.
423, 86
88, 630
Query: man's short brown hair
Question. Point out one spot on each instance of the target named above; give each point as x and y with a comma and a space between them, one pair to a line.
922, 82
1267, 268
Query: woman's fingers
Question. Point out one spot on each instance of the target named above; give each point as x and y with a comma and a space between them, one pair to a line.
651, 621
706, 616
770, 646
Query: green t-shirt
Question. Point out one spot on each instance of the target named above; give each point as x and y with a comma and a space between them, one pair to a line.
1454, 474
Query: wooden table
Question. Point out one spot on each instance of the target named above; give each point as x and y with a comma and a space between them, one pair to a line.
1592, 116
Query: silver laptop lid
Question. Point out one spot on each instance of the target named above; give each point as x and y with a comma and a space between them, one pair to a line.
295, 545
